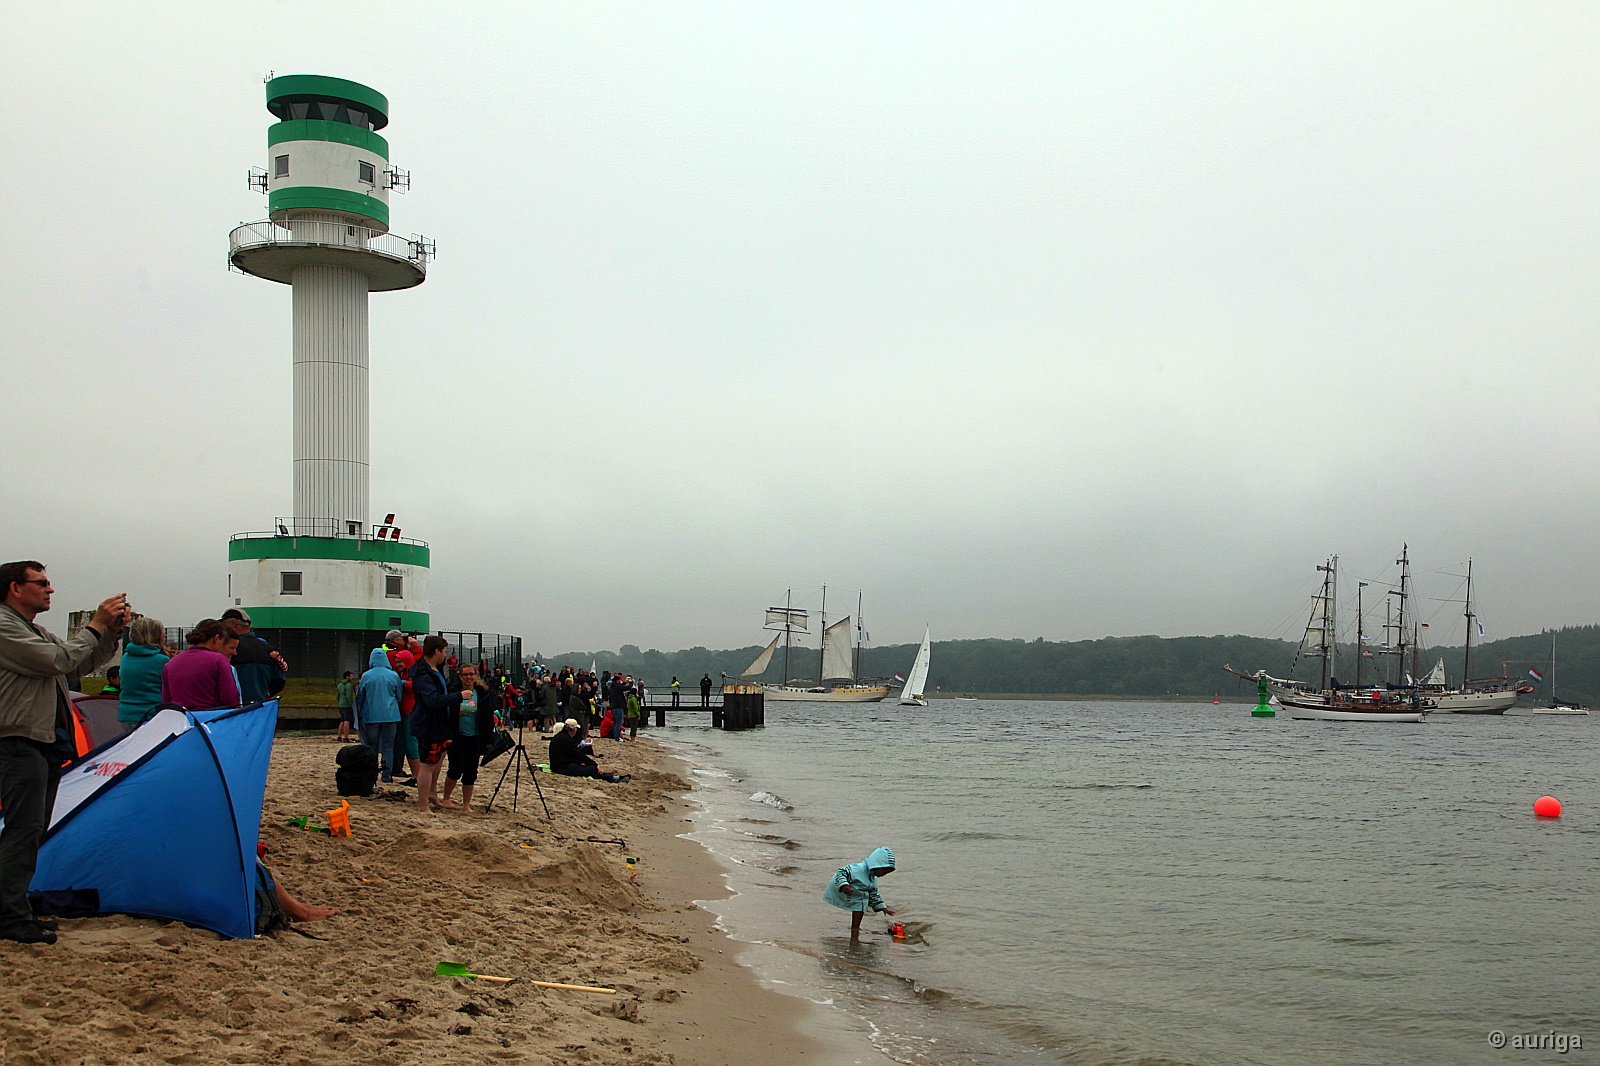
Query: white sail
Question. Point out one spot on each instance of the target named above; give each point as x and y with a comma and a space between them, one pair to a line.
786, 616
917, 680
1315, 644
760, 665
836, 657
1436, 675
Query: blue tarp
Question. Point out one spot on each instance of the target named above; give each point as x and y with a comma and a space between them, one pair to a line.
166, 825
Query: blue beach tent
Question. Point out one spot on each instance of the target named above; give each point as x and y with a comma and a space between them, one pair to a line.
163, 822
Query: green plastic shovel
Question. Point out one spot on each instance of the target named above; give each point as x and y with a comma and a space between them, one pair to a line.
458, 969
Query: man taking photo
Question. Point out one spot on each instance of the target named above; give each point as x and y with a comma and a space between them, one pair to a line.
36, 726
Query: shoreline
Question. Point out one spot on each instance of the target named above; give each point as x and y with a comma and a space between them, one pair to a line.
507, 893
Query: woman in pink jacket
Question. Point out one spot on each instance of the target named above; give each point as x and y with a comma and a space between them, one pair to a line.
202, 676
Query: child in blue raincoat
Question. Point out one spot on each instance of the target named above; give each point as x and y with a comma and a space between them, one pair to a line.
855, 887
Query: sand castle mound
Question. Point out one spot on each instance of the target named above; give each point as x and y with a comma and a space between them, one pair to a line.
577, 872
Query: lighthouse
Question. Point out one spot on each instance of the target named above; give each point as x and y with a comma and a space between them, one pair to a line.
327, 580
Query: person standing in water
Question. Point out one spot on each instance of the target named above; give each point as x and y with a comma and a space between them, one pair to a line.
855, 887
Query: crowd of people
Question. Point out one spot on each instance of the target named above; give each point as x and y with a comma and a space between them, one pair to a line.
421, 711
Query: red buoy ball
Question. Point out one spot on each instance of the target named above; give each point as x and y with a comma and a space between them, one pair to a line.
1547, 807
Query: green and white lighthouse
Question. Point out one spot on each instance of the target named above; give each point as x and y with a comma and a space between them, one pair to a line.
328, 578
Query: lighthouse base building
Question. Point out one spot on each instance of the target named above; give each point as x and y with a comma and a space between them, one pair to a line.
327, 601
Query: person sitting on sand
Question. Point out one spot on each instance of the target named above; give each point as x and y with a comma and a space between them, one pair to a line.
567, 758
855, 887
293, 909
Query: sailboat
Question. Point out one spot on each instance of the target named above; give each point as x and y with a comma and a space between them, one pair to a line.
1402, 699
1558, 706
917, 680
840, 659
1330, 701
1486, 695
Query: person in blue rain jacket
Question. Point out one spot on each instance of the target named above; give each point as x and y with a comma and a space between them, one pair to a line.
855, 887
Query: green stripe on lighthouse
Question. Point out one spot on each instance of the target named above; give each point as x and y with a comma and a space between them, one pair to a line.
352, 92
315, 129
313, 198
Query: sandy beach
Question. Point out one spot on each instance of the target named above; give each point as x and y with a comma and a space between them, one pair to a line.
507, 893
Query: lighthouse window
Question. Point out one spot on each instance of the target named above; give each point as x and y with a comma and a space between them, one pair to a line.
280, 167
394, 586
368, 172
289, 583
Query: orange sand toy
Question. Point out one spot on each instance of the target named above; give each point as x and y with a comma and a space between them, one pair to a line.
339, 820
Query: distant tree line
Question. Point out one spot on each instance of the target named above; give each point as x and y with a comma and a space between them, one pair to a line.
1115, 666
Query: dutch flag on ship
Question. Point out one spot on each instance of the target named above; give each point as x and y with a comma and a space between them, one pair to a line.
1536, 675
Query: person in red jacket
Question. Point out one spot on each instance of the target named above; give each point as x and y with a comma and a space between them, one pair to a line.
403, 653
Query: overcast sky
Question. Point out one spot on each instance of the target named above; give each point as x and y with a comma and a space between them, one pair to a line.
1028, 320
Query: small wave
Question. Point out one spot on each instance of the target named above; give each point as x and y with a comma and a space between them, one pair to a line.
961, 836
708, 772
772, 801
1110, 785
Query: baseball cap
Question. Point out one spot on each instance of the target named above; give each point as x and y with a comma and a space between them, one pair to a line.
234, 612
393, 637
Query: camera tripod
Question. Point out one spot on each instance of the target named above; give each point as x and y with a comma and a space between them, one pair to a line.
519, 759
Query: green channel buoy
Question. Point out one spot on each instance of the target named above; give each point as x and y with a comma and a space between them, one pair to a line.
1263, 701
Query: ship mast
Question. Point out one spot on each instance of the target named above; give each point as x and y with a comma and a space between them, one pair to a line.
1400, 625
1466, 658
788, 630
860, 629
1360, 642
1328, 591
822, 653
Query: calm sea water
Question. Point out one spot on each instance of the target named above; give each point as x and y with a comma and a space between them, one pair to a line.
1133, 883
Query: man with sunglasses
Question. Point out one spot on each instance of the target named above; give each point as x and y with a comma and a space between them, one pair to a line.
36, 726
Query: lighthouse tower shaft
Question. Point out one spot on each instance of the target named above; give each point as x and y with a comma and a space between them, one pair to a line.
331, 421
327, 182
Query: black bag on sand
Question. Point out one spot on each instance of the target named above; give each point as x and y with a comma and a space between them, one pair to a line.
501, 744
358, 770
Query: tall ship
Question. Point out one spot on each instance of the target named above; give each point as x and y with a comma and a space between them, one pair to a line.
1397, 694
840, 663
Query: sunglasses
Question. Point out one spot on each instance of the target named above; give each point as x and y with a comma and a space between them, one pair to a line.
42, 582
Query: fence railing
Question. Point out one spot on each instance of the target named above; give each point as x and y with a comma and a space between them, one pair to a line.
487, 650
322, 527
417, 249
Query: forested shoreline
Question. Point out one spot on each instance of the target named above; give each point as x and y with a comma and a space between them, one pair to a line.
1117, 666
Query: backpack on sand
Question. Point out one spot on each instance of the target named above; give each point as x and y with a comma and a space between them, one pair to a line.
358, 770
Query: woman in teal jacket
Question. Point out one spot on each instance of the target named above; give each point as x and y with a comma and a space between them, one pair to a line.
855, 887
142, 662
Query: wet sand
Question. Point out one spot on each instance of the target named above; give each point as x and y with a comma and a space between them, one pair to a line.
507, 893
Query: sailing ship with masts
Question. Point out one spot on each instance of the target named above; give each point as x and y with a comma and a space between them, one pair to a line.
1400, 697
840, 680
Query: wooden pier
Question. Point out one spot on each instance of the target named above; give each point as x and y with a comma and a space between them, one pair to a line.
742, 707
